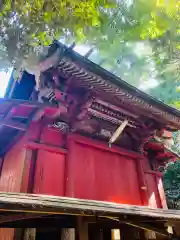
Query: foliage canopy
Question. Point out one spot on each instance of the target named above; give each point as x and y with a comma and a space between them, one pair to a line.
28, 25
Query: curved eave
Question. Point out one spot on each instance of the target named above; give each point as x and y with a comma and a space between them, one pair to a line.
151, 106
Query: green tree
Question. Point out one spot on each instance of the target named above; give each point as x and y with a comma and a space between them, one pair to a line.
172, 184
123, 59
28, 25
155, 24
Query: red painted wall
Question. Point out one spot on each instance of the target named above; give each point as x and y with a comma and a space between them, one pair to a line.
101, 175
88, 169
13, 173
49, 173
6, 233
12, 169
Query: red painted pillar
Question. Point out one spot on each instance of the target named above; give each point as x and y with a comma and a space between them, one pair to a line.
142, 181
161, 192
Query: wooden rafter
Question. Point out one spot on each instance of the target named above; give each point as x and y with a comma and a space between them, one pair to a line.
89, 74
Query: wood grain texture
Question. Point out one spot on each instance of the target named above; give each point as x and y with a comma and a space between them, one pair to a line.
18, 202
106, 84
101, 175
49, 173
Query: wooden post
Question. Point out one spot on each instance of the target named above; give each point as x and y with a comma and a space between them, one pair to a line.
30, 234
68, 234
142, 181
150, 235
82, 229
115, 234
161, 192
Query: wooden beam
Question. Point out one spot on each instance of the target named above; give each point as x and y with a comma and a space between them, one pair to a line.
13, 124
18, 217
45, 204
98, 114
97, 144
25, 103
47, 147
145, 226
148, 227
118, 132
115, 108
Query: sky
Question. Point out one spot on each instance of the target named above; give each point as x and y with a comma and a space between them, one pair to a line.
81, 49
4, 79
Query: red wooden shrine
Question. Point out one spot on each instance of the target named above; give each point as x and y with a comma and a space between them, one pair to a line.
62, 147
46, 161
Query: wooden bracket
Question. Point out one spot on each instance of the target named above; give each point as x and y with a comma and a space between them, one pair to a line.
118, 132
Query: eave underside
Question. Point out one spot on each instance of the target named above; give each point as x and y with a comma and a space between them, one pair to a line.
113, 89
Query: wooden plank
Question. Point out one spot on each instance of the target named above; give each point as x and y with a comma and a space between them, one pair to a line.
18, 202
27, 170
47, 147
13, 124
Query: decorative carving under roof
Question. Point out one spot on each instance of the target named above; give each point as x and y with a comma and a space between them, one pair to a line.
95, 102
